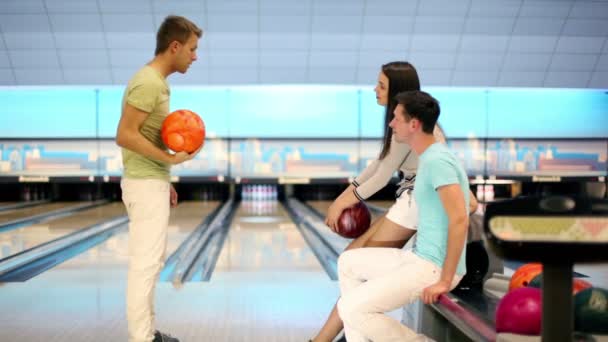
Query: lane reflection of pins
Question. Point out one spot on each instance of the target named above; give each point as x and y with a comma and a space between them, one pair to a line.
26, 193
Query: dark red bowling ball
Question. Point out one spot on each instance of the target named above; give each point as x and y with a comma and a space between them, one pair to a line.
354, 221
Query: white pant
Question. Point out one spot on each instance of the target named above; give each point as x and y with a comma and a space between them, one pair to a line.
147, 203
378, 280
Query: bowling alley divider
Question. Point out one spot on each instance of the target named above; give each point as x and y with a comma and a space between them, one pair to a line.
195, 258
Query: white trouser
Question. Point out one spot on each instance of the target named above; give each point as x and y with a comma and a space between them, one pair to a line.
147, 203
378, 280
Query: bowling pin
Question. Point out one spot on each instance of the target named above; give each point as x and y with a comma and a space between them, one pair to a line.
479, 192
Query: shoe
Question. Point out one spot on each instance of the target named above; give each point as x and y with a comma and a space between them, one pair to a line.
160, 337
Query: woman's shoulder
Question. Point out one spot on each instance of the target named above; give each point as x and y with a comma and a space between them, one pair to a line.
439, 134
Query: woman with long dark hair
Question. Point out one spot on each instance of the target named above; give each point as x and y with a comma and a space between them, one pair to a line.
399, 224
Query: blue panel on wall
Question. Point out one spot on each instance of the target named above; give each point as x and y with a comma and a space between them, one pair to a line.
293, 112
372, 115
542, 113
110, 108
463, 111
47, 113
211, 104
311, 112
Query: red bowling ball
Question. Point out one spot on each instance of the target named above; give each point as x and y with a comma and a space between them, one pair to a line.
520, 312
354, 221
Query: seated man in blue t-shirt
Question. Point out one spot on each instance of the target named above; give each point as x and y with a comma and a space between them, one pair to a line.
377, 280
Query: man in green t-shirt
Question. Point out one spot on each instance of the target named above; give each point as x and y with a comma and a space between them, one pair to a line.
146, 191
374, 281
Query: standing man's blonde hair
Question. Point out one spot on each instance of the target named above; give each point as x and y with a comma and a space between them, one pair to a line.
175, 28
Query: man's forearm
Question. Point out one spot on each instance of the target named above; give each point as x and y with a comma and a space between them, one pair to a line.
137, 143
457, 235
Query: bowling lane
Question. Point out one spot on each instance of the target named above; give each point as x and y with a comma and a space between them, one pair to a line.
8, 204
10, 215
320, 206
17, 240
267, 286
263, 238
83, 299
12, 205
112, 255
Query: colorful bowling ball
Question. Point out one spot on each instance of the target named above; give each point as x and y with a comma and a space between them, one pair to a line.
183, 130
524, 275
354, 221
577, 284
520, 312
591, 311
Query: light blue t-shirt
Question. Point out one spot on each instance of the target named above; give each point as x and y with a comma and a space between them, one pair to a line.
437, 167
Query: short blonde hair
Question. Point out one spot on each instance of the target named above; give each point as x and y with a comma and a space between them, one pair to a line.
175, 28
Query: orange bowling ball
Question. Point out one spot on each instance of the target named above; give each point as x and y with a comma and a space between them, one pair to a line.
524, 275
183, 130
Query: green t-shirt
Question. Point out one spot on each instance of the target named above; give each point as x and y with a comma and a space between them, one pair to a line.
147, 91
437, 167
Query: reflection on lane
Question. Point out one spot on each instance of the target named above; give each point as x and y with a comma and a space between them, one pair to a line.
26, 237
10, 215
263, 237
114, 253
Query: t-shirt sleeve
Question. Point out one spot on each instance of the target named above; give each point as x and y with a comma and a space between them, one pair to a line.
144, 96
442, 172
